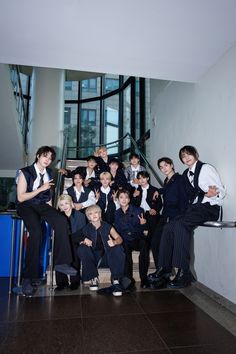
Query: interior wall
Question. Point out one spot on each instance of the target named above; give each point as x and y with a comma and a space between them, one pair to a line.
203, 115
11, 141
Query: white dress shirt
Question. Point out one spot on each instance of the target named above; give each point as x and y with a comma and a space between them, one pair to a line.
144, 203
91, 197
208, 176
37, 181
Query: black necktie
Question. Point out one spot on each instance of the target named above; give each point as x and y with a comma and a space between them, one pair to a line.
191, 173
41, 182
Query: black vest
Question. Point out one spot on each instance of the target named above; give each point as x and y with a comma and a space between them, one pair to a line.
83, 196
194, 191
30, 175
90, 232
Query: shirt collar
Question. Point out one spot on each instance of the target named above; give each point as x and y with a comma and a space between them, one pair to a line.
105, 190
38, 171
134, 169
145, 188
192, 169
81, 190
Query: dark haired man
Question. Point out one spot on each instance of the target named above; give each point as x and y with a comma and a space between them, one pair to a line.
132, 171
205, 193
34, 197
82, 196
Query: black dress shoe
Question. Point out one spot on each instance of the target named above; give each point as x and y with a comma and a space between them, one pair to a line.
27, 288
159, 274
160, 284
145, 284
74, 286
36, 282
182, 279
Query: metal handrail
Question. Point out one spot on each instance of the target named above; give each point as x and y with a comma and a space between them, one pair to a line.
62, 164
127, 135
155, 174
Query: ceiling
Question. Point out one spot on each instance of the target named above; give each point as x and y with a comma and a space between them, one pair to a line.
160, 39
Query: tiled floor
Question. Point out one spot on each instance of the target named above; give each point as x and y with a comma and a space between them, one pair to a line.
142, 322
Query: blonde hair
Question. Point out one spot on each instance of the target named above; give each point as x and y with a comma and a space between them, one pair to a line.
105, 174
101, 148
65, 197
92, 208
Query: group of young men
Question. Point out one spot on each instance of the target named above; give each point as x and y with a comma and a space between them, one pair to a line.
123, 213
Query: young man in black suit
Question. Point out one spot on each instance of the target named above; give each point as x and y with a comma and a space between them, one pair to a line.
144, 196
205, 193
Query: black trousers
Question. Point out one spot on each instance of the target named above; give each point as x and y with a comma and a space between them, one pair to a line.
152, 221
141, 245
156, 240
32, 216
176, 236
90, 259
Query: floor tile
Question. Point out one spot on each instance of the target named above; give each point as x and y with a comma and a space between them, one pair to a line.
59, 336
164, 301
54, 307
189, 329
225, 348
11, 308
109, 305
120, 334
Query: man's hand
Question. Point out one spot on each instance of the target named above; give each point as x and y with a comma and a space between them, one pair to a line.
136, 193
141, 219
212, 192
110, 242
155, 195
87, 242
152, 212
46, 185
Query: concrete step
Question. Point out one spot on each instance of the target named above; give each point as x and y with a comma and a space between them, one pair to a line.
105, 274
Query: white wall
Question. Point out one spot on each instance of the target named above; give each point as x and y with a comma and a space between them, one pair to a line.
11, 141
47, 114
203, 115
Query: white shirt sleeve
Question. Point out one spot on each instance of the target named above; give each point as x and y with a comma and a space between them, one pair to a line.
209, 177
90, 201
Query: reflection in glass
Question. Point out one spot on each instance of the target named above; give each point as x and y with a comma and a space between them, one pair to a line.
111, 109
71, 90
89, 127
111, 83
90, 88
126, 114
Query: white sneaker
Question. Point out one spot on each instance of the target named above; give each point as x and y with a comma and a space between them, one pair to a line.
94, 284
117, 290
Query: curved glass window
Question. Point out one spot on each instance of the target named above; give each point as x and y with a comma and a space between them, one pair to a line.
111, 133
89, 127
91, 88
103, 109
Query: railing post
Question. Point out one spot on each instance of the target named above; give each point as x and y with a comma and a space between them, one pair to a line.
22, 227
11, 255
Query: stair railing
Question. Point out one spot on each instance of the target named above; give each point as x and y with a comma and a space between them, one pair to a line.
133, 146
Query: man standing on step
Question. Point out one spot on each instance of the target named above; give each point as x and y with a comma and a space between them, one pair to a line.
205, 194
34, 197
